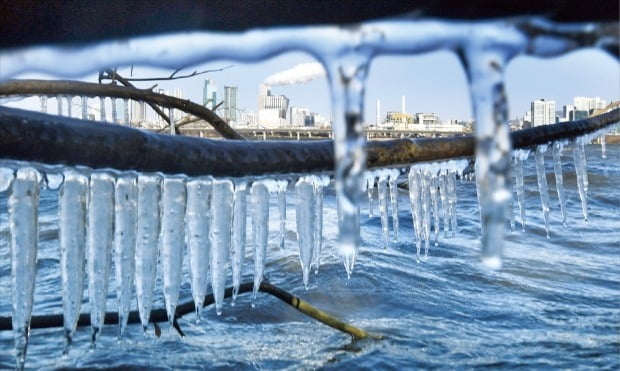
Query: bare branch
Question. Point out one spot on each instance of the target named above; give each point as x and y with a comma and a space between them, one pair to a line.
174, 76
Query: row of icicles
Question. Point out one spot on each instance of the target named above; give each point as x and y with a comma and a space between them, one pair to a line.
130, 218
69, 100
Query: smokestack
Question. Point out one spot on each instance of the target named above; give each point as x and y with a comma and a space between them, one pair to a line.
378, 121
403, 105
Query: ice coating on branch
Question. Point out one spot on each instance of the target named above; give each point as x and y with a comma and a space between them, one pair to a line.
393, 185
84, 108
102, 109
259, 194
239, 236
72, 200
125, 209
518, 156
69, 105
24, 237
416, 206
541, 175
382, 190
197, 232
370, 186
579, 156
172, 239
219, 236
43, 99
282, 185
319, 182
59, 103
559, 178
147, 237
99, 246
114, 115
304, 201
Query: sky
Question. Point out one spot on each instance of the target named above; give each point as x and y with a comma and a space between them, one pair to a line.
431, 83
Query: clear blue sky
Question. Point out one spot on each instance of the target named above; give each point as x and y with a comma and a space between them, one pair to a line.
431, 83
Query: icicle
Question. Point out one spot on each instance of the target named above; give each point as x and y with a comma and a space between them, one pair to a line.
392, 182
511, 209
72, 200
239, 236
219, 235
99, 246
69, 106
102, 108
282, 209
126, 105
559, 178
260, 231
84, 107
517, 169
59, 103
426, 210
484, 61
24, 231
370, 186
305, 203
6, 178
451, 186
582, 175
435, 203
319, 183
603, 147
383, 206
416, 208
542, 183
347, 75
443, 190
43, 99
172, 239
171, 121
125, 208
114, 113
149, 192
197, 219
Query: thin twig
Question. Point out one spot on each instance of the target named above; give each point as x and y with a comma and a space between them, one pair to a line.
174, 77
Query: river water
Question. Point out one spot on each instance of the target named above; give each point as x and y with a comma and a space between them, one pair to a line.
555, 303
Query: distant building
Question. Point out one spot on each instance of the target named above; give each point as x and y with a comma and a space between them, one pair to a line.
588, 104
230, 103
178, 114
298, 116
209, 94
272, 109
543, 112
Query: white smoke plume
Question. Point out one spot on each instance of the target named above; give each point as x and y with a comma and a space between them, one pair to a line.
299, 74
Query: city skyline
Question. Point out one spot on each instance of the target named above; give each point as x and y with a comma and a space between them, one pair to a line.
432, 83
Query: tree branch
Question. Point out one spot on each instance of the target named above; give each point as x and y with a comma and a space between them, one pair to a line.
47, 87
173, 75
33, 136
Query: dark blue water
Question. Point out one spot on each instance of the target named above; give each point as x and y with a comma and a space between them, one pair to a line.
555, 304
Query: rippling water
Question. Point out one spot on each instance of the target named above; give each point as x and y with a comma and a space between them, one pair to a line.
556, 302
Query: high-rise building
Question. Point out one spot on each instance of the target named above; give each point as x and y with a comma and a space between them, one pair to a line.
589, 104
298, 116
230, 103
543, 112
209, 94
271, 108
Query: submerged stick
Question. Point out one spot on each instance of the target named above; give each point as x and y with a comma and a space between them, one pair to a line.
160, 315
33, 136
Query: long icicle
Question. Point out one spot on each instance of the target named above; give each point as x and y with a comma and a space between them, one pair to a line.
517, 168
99, 246
72, 200
382, 189
435, 204
541, 176
304, 192
102, 115
559, 178
319, 184
23, 205
281, 191
443, 195
416, 209
426, 210
239, 237
393, 186
125, 199
582, 174
198, 246
147, 234
370, 186
221, 224
260, 231
172, 239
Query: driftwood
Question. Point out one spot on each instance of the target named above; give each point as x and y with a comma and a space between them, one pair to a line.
160, 315
59, 87
32, 136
